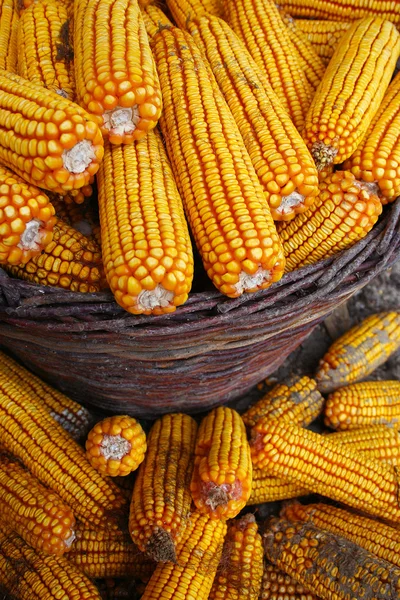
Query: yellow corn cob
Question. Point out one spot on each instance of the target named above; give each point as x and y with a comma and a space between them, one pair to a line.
42, 55
38, 515
104, 553
185, 10
297, 400
377, 159
341, 215
145, 239
351, 90
223, 198
259, 25
198, 554
378, 538
27, 219
365, 403
240, 570
222, 475
324, 466
279, 155
46, 139
154, 19
116, 445
116, 79
341, 10
276, 585
8, 35
329, 566
27, 574
32, 435
73, 417
267, 488
71, 261
359, 351
311, 64
161, 498
324, 36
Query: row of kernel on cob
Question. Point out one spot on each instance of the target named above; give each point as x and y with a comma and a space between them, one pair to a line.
64, 522
251, 138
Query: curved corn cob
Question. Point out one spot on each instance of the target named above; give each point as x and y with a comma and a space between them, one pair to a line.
222, 474
154, 19
146, 245
361, 404
71, 261
351, 90
198, 554
296, 400
359, 351
185, 10
341, 215
27, 219
38, 515
341, 10
324, 36
276, 585
240, 570
8, 35
377, 158
44, 56
116, 445
259, 25
325, 466
33, 436
104, 553
161, 500
279, 155
72, 417
223, 198
378, 538
328, 565
31, 575
116, 79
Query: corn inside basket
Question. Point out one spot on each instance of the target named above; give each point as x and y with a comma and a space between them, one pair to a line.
211, 350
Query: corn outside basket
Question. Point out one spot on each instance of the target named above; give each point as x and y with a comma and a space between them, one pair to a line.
210, 351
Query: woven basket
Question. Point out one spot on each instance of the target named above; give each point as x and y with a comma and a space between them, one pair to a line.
211, 350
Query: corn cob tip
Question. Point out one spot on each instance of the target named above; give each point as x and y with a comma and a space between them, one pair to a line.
288, 204
161, 547
120, 120
251, 283
33, 235
78, 158
150, 299
323, 155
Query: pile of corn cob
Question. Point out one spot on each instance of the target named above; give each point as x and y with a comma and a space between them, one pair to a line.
158, 515
278, 144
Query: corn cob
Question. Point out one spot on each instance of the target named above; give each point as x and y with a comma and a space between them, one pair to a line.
73, 417
116, 79
116, 445
105, 553
184, 11
33, 436
324, 36
43, 56
329, 566
38, 515
378, 538
28, 574
267, 488
240, 570
222, 475
198, 555
27, 219
341, 215
377, 159
359, 351
161, 498
351, 90
8, 35
259, 25
71, 261
276, 585
223, 198
341, 10
154, 19
297, 400
324, 466
280, 158
145, 239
